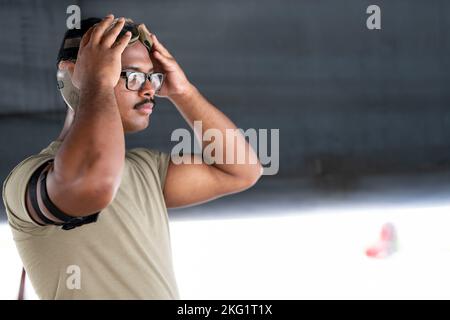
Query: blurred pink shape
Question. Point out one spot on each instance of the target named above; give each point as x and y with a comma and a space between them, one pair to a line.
386, 245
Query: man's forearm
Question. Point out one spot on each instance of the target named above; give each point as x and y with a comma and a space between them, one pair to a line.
94, 148
194, 107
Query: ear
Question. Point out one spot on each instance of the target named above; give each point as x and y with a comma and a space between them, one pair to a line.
66, 65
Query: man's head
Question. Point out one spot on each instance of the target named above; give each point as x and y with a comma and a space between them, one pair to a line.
131, 98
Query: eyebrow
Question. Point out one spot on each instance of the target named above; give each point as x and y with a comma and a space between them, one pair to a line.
135, 68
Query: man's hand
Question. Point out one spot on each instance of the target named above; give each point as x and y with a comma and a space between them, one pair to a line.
99, 56
175, 82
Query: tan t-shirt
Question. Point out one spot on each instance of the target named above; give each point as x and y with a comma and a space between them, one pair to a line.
126, 254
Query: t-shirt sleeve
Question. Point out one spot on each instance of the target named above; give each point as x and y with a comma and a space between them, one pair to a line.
163, 166
14, 189
156, 161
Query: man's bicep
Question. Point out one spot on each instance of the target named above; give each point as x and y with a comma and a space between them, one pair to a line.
40, 200
190, 181
75, 199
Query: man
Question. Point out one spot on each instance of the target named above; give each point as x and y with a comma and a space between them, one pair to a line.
89, 217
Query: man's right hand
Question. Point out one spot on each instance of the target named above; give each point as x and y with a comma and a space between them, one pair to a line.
99, 56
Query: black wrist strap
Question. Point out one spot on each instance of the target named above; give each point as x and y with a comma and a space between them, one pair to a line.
69, 222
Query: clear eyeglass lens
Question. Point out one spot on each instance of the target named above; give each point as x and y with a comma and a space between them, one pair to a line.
156, 80
135, 80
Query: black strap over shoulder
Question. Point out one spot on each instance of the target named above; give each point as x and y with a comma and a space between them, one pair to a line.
70, 222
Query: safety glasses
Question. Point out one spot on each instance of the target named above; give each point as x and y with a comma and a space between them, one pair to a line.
135, 80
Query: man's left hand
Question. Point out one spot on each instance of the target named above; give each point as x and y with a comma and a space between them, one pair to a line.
175, 82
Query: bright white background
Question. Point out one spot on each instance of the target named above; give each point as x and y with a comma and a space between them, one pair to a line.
318, 254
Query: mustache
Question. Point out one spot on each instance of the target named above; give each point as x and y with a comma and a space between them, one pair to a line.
144, 102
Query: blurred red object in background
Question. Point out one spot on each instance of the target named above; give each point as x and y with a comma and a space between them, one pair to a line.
386, 245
